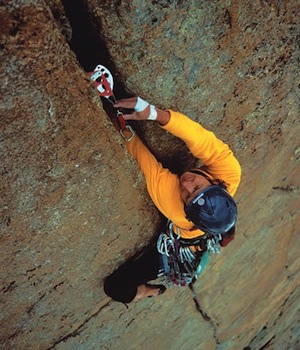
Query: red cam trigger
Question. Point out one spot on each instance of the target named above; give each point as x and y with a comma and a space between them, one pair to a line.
104, 89
102, 85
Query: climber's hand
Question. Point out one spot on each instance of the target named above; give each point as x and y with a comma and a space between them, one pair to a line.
142, 110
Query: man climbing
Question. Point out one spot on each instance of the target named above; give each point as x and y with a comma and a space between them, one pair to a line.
199, 205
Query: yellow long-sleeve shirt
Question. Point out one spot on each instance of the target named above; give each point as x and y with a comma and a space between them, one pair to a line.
164, 187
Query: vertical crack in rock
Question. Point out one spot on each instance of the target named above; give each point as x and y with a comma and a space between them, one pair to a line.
215, 336
210, 321
89, 48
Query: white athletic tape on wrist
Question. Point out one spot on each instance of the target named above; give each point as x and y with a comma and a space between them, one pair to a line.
153, 113
140, 105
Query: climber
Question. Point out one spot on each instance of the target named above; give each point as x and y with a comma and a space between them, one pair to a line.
198, 204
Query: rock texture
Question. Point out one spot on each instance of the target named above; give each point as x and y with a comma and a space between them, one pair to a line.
74, 205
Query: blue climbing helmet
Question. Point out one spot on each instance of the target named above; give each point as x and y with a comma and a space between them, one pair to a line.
213, 211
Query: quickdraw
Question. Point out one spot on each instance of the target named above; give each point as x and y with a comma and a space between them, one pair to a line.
104, 84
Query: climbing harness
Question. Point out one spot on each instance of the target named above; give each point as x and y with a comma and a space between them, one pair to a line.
104, 84
184, 260
178, 262
181, 262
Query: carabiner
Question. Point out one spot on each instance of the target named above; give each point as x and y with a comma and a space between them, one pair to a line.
129, 138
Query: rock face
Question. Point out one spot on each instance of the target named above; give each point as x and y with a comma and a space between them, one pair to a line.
74, 204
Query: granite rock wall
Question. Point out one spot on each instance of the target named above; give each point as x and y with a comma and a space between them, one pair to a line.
74, 204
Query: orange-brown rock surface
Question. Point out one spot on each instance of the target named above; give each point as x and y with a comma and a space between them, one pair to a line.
74, 204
